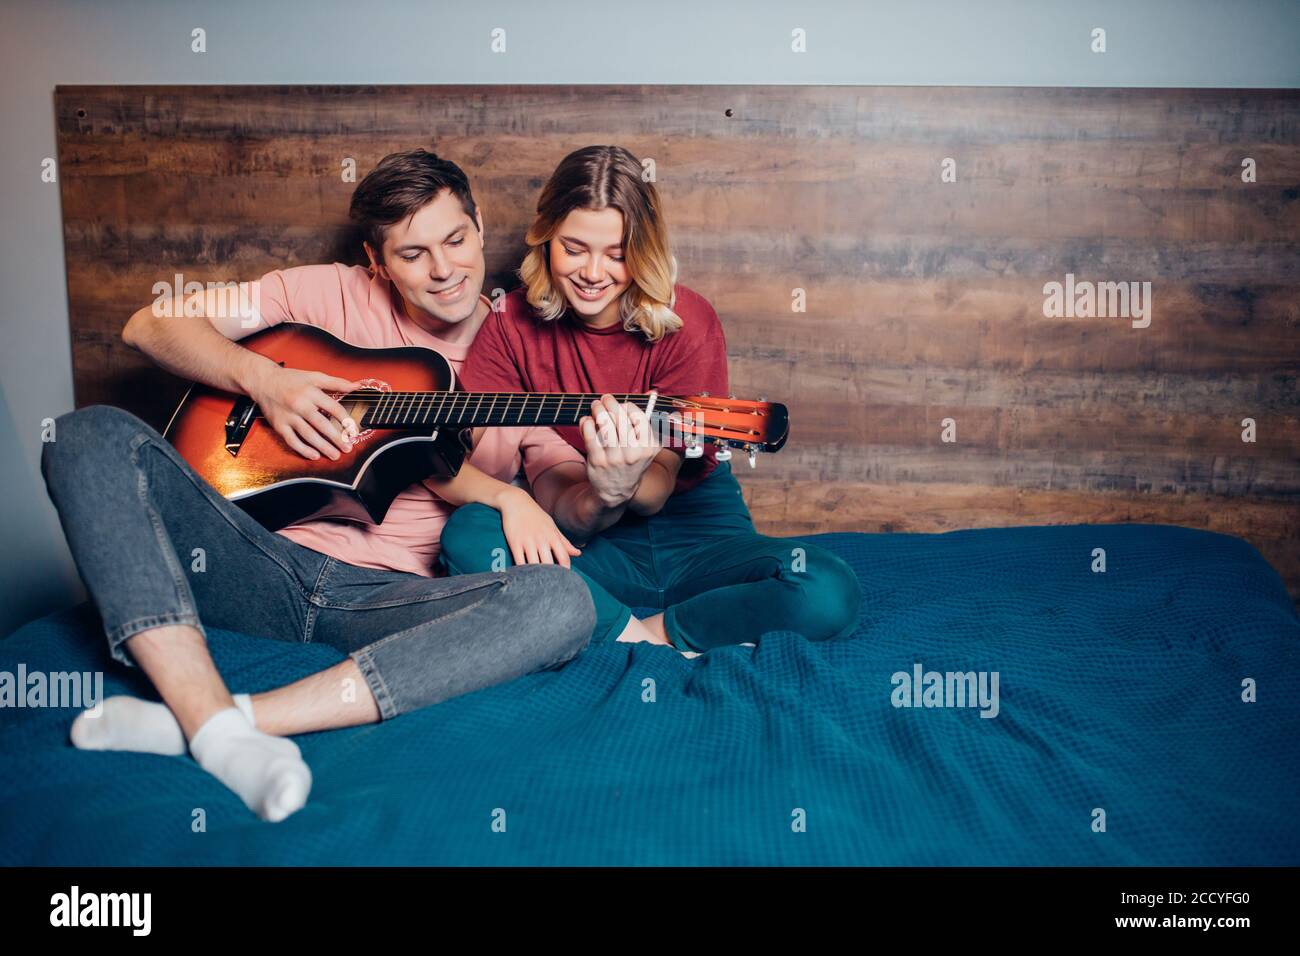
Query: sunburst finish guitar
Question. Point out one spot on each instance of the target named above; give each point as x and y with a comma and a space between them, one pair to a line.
414, 423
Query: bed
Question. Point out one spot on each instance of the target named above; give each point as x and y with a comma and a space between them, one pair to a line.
1126, 691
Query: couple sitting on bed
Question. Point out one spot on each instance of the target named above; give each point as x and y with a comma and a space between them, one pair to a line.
420, 603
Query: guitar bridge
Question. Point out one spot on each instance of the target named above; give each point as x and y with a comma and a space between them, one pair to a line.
238, 422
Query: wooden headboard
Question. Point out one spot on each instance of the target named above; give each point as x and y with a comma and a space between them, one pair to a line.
924, 298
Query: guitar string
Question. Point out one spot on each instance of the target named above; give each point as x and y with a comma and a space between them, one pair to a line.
420, 404
416, 402
500, 416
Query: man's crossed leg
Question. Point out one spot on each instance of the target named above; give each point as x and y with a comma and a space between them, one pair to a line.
135, 514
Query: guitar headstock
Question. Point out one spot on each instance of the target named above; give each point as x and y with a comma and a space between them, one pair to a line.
686, 421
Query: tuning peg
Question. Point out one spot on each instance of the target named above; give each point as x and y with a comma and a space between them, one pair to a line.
731, 395
694, 451
724, 453
753, 456
704, 394
762, 398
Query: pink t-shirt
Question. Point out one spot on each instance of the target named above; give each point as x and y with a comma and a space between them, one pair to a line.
360, 309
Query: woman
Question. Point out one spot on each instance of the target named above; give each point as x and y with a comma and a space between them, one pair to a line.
599, 312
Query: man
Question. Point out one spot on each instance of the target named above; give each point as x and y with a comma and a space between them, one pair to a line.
134, 511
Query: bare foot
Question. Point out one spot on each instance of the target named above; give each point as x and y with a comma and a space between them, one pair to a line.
655, 624
651, 630
637, 631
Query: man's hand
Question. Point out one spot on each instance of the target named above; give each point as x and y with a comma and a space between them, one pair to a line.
620, 446
297, 407
531, 532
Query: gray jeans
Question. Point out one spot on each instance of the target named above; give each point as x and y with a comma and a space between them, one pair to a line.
134, 512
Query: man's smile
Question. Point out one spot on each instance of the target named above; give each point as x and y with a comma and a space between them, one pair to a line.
452, 293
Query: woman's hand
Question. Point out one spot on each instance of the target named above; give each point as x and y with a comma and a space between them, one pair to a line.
620, 446
531, 533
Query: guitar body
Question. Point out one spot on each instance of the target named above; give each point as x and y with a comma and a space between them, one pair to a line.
236, 451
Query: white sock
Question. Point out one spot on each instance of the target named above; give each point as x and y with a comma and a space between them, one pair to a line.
266, 772
129, 723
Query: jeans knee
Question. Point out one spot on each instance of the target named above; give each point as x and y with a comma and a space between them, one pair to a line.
475, 517
558, 603
106, 424
84, 434
469, 538
831, 596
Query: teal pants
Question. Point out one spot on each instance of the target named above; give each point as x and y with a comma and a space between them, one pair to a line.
699, 560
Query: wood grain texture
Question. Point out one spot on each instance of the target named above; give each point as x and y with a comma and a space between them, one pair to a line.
924, 298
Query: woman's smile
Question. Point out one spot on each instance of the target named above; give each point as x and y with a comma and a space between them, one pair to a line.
590, 293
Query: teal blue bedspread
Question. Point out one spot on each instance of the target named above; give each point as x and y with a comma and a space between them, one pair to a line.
1119, 693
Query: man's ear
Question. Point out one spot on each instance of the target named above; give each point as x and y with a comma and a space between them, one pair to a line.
376, 266
478, 216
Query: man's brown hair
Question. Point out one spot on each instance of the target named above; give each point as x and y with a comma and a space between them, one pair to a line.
400, 186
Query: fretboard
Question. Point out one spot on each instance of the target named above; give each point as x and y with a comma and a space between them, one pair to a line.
471, 409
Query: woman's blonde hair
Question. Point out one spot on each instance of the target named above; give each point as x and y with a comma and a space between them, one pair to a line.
607, 177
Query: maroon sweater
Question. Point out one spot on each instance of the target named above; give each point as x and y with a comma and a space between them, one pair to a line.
515, 351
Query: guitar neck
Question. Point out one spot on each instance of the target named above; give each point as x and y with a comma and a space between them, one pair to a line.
472, 409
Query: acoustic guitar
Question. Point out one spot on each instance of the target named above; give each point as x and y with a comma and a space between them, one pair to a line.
414, 423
